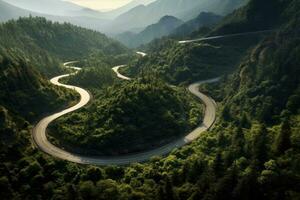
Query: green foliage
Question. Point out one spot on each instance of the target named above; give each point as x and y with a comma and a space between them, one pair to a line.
232, 161
95, 78
283, 140
146, 112
44, 43
257, 15
178, 63
25, 92
96, 73
184, 63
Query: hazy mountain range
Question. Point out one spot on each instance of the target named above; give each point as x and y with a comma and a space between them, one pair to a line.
203, 19
182, 9
209, 119
65, 8
168, 26
119, 20
162, 28
86, 20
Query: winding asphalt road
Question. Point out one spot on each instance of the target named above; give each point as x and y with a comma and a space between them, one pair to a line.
225, 36
39, 133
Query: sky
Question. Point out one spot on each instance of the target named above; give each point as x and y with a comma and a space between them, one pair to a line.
101, 4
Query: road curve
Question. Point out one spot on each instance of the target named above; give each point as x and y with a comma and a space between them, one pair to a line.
116, 70
40, 136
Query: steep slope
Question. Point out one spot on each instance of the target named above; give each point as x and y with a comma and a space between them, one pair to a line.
204, 19
24, 92
162, 28
240, 158
269, 77
42, 41
255, 16
220, 7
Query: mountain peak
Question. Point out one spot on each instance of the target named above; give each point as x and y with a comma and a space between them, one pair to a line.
168, 18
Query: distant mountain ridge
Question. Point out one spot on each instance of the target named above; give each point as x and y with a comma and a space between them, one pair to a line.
131, 17
182, 9
123, 9
53, 7
9, 11
204, 19
163, 27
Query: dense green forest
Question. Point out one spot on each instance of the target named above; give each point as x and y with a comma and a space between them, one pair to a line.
96, 73
178, 63
253, 151
129, 117
25, 92
45, 43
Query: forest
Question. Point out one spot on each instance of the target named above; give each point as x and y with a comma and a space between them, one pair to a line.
252, 152
129, 117
46, 44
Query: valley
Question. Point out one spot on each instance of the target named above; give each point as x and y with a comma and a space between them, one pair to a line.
40, 137
160, 99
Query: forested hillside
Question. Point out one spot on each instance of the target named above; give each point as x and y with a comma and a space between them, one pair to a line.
187, 62
252, 152
44, 43
178, 63
257, 15
146, 112
204, 19
24, 92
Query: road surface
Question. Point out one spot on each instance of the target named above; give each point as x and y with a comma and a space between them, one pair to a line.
40, 136
116, 70
224, 36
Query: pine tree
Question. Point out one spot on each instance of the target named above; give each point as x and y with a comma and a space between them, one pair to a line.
259, 145
218, 165
283, 140
226, 113
238, 142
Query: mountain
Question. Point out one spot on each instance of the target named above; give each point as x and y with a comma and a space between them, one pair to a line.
197, 61
24, 91
204, 19
43, 41
162, 28
139, 16
268, 76
9, 11
254, 17
219, 7
83, 18
132, 4
65, 8
53, 7
251, 152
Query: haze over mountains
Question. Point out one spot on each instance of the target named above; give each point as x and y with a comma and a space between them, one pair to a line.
162, 28
220, 116
119, 20
68, 13
182, 9
52, 7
